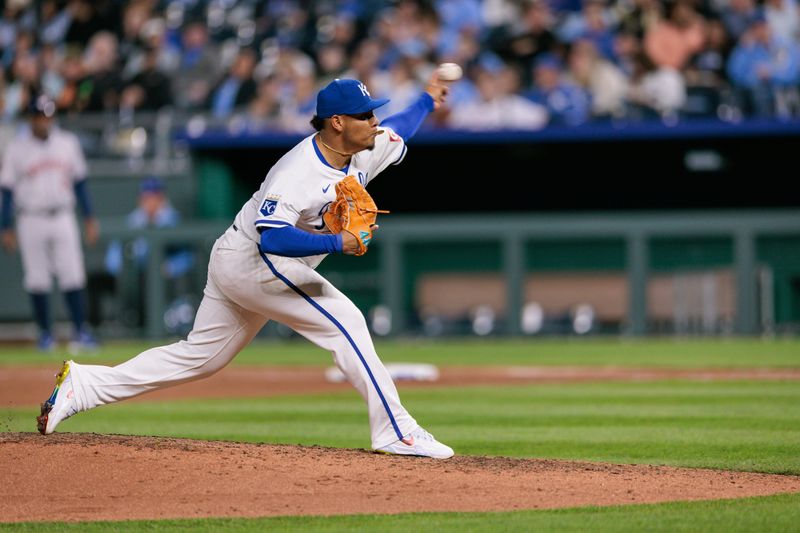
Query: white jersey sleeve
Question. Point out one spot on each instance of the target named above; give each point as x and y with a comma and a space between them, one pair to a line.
281, 202
390, 149
8, 173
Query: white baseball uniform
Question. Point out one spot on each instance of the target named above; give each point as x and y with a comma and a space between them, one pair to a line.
247, 288
42, 174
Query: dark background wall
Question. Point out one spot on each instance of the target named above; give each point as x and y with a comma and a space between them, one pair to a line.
508, 173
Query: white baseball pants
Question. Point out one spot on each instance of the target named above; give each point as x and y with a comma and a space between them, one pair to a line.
50, 245
244, 290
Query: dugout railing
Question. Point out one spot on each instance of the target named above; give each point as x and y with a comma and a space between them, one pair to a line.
746, 231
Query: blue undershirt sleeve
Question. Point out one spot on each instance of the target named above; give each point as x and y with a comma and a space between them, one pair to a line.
289, 241
82, 196
6, 208
407, 122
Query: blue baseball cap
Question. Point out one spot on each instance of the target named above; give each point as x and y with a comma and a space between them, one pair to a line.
548, 60
346, 97
151, 184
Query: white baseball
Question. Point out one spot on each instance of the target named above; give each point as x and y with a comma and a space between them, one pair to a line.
449, 72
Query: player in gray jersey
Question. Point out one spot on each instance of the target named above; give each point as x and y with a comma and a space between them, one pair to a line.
43, 175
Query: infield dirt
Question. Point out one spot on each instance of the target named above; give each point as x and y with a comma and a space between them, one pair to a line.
113, 477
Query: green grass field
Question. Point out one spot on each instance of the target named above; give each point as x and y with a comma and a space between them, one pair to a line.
748, 425
667, 352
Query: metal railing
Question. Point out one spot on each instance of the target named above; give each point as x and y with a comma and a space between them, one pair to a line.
636, 230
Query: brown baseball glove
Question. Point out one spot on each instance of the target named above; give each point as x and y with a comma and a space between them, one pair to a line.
353, 211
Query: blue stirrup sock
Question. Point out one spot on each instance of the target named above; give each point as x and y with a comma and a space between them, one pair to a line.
41, 311
76, 306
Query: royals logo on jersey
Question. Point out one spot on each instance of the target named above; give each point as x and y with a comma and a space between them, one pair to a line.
269, 205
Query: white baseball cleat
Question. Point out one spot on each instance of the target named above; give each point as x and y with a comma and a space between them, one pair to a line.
60, 405
418, 442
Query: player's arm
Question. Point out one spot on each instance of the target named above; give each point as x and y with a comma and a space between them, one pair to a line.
7, 219
85, 205
7, 179
407, 122
82, 197
79, 172
289, 241
279, 236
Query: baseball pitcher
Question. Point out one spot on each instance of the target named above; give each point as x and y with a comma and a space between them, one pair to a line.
311, 203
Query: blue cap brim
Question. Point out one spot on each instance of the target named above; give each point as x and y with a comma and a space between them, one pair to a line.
369, 106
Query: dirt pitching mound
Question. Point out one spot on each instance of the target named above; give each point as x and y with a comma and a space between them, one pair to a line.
74, 476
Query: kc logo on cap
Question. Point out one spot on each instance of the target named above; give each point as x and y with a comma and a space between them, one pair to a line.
346, 97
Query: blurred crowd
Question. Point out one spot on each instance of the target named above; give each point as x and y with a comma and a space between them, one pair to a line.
528, 63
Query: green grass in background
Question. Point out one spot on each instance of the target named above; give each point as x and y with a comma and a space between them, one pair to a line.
779, 513
752, 426
667, 352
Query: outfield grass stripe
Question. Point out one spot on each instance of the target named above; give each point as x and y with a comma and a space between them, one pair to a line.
591, 351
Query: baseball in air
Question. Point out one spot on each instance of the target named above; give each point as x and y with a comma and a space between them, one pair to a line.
449, 72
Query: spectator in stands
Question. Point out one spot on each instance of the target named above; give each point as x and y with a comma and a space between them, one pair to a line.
672, 41
85, 22
638, 16
567, 103
364, 63
237, 88
287, 22
765, 70
626, 52
199, 68
436, 40
149, 89
17, 17
604, 82
24, 45
595, 23
496, 108
152, 37
520, 42
460, 16
706, 80
22, 85
783, 18
401, 86
154, 211
300, 97
134, 17
72, 72
370, 39
53, 22
707, 67
263, 113
737, 16
655, 92
99, 89
331, 61
50, 79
